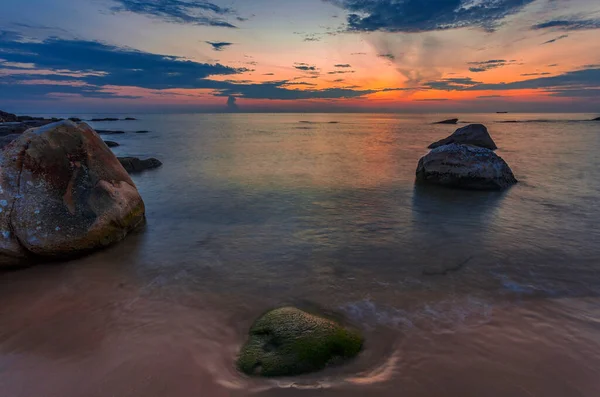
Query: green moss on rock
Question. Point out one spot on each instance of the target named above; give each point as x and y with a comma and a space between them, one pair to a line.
289, 341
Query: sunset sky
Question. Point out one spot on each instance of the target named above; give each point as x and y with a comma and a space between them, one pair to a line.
300, 55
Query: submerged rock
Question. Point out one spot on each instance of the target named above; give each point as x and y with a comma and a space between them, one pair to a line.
472, 134
130, 119
109, 132
465, 167
596, 119
449, 121
106, 119
289, 341
7, 117
134, 164
142, 132
111, 144
63, 193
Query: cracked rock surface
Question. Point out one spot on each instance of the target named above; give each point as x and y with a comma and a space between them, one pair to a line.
63, 193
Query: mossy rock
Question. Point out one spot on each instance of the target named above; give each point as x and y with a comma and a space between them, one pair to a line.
289, 341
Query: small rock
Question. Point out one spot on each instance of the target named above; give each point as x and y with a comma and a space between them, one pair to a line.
465, 167
596, 119
142, 132
130, 119
449, 121
75, 119
135, 165
111, 144
472, 134
106, 119
109, 132
289, 341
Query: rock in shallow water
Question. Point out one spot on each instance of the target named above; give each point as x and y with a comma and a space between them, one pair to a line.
472, 134
449, 121
63, 193
111, 144
134, 164
465, 167
289, 341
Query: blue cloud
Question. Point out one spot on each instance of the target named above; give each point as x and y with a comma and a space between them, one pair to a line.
421, 16
76, 67
484, 66
219, 45
564, 36
568, 25
179, 11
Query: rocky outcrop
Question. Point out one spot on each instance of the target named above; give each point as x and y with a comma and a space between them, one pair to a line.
289, 341
465, 167
472, 134
109, 132
111, 144
449, 121
134, 165
596, 119
106, 119
7, 117
63, 193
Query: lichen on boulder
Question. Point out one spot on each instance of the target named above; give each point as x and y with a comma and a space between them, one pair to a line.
288, 341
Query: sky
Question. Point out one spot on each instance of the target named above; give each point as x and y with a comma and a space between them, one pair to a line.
300, 55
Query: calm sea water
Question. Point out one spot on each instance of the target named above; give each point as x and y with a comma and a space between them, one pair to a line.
251, 212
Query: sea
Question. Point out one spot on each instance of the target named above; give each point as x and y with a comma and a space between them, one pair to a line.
458, 293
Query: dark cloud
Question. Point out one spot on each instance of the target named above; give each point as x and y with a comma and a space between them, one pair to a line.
536, 74
420, 16
219, 45
564, 36
593, 93
432, 100
231, 103
345, 65
358, 53
568, 25
484, 66
490, 96
304, 66
64, 68
452, 84
196, 12
391, 57
574, 80
341, 72
111, 65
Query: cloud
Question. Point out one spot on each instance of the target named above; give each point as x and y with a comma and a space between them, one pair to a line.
564, 36
420, 16
490, 96
58, 68
536, 74
105, 64
568, 25
341, 72
345, 65
432, 100
391, 57
484, 66
451, 84
305, 67
574, 80
195, 12
219, 45
231, 103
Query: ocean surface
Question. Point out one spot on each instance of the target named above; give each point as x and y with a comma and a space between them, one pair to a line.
255, 211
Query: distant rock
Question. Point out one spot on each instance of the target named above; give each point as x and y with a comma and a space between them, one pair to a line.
111, 144
596, 119
472, 134
130, 119
64, 193
21, 126
106, 119
449, 121
7, 117
289, 341
109, 132
142, 132
465, 167
75, 119
134, 165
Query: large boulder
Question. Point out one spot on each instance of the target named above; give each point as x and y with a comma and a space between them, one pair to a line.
63, 193
7, 117
134, 165
466, 167
289, 341
472, 134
